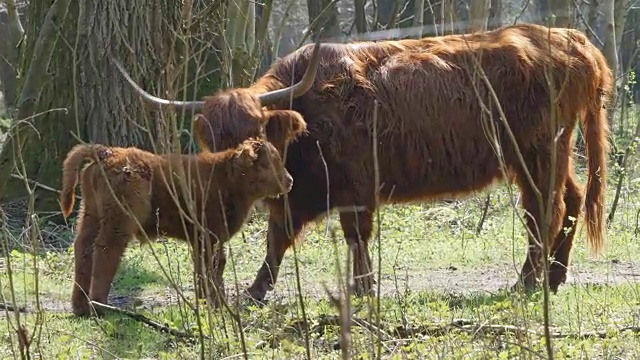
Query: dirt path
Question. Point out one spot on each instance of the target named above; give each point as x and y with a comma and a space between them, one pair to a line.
496, 278
447, 281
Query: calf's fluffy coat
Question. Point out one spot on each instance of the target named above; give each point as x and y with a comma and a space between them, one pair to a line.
129, 192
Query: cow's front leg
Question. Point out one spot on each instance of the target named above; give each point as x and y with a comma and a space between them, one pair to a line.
357, 228
280, 236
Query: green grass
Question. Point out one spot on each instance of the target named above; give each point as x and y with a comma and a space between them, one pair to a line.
434, 270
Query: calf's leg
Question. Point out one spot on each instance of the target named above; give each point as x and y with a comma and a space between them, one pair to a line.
357, 228
107, 254
88, 229
209, 263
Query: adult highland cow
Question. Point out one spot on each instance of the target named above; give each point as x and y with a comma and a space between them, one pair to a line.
439, 133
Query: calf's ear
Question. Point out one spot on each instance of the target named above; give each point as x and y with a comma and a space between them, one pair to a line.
246, 154
284, 126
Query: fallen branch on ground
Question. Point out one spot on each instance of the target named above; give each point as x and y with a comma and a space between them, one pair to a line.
469, 326
326, 320
597, 334
9, 307
498, 330
434, 330
146, 320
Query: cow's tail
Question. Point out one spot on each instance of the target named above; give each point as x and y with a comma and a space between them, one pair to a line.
76, 156
596, 129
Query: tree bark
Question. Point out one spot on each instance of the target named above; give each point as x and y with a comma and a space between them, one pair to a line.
100, 106
628, 40
610, 45
560, 9
479, 14
495, 14
323, 14
397, 14
629, 47
360, 16
11, 27
263, 48
386, 13
284, 32
592, 18
620, 18
240, 41
418, 13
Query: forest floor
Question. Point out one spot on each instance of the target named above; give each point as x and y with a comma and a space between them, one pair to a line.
444, 294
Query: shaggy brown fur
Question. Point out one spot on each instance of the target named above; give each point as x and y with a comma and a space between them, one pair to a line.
222, 189
434, 116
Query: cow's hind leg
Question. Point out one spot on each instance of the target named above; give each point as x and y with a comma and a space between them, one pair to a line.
218, 264
561, 249
107, 254
88, 229
536, 216
280, 236
357, 228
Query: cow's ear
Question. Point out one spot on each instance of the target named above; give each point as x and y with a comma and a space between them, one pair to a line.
284, 126
202, 132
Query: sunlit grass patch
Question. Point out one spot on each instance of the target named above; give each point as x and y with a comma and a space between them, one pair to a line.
444, 295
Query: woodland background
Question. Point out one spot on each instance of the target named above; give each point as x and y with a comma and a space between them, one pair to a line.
444, 266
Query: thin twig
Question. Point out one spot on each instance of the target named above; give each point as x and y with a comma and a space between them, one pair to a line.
144, 319
342, 304
485, 210
39, 185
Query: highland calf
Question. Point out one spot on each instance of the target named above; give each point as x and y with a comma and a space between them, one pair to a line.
456, 114
127, 192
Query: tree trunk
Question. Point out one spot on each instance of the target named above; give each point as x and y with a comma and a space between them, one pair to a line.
560, 9
418, 14
360, 17
495, 14
592, 19
386, 14
610, 46
628, 40
629, 51
284, 33
323, 14
479, 13
398, 14
620, 18
240, 41
11, 19
98, 105
263, 48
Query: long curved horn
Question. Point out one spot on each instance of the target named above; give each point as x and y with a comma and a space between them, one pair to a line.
187, 105
299, 88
